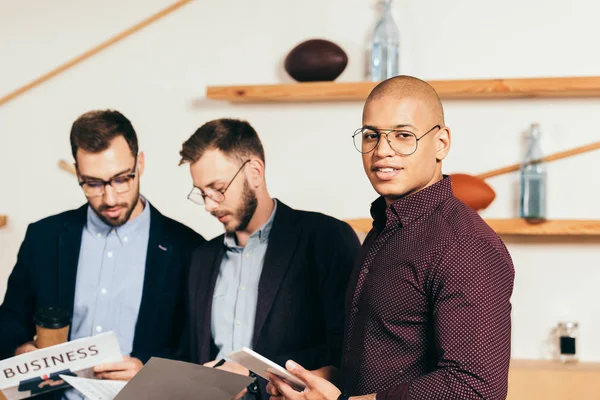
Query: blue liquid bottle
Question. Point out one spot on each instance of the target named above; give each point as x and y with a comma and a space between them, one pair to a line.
533, 179
385, 46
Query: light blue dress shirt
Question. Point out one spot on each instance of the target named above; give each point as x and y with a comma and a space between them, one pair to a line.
236, 290
110, 279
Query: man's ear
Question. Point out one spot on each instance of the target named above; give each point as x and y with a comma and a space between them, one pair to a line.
141, 160
443, 141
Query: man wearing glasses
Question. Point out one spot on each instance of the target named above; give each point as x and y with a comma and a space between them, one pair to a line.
428, 313
116, 263
275, 281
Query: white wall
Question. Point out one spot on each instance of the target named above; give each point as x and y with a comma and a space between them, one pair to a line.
157, 78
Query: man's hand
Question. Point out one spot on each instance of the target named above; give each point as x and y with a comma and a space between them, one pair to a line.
119, 371
317, 388
25, 348
230, 366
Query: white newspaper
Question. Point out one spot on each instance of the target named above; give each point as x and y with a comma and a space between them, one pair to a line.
95, 389
39, 371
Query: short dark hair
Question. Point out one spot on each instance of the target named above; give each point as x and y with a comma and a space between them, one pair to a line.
234, 137
94, 130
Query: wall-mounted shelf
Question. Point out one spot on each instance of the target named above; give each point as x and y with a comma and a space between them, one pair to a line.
559, 227
552, 380
447, 89
3, 219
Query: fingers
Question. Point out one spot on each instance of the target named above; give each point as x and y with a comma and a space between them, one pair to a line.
116, 376
26, 348
272, 390
241, 394
299, 371
128, 364
283, 388
211, 363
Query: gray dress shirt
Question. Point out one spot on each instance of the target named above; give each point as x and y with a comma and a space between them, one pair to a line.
236, 290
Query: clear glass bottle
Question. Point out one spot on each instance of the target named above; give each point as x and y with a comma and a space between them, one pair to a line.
567, 333
385, 45
533, 179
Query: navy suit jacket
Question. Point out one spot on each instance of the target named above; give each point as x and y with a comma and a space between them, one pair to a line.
46, 271
300, 309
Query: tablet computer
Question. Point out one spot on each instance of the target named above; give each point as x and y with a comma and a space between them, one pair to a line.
261, 365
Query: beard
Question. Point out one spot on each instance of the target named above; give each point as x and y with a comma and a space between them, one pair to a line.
246, 210
121, 220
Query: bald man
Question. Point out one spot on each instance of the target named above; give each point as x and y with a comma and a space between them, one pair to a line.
428, 304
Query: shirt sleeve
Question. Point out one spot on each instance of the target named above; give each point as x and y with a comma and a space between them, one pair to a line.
469, 292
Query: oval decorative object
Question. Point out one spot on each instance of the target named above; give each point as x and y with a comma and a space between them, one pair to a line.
316, 60
473, 191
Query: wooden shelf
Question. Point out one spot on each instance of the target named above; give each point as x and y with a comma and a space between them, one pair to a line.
551, 380
447, 89
3, 219
558, 227
520, 227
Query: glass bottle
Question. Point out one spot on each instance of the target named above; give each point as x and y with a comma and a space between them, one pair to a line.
533, 179
567, 333
385, 45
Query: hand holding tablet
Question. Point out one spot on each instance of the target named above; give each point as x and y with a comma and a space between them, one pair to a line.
261, 365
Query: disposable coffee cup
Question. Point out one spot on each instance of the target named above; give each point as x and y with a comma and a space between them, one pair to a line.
52, 326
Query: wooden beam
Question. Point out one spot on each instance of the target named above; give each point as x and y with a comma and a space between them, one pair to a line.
93, 51
447, 89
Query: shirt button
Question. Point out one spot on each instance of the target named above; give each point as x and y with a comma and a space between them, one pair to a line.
109, 254
99, 235
355, 309
98, 329
125, 239
243, 288
238, 323
247, 255
366, 270
103, 291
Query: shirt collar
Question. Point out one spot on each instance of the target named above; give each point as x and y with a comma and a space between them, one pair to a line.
262, 234
410, 208
100, 229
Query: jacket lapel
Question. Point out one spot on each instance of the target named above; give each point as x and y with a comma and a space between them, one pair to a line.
157, 264
206, 281
69, 246
283, 241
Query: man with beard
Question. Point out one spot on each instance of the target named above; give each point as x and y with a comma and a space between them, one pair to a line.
275, 281
116, 263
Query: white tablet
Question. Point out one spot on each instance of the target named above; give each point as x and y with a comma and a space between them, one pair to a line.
261, 365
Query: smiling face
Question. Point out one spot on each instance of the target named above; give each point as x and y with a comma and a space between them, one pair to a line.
392, 175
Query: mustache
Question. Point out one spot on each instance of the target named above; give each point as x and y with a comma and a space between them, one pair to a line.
105, 207
219, 214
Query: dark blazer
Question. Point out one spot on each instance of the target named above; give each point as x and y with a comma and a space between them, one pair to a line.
300, 309
46, 272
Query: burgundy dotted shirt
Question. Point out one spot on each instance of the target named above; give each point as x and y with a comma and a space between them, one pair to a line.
428, 305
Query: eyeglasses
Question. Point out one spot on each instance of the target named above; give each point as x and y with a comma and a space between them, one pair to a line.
120, 184
199, 197
403, 142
